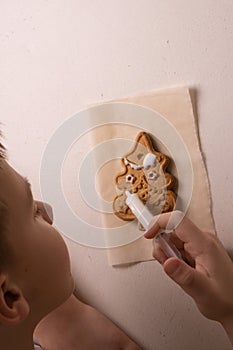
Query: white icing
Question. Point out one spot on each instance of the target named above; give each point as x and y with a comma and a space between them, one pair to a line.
132, 165
130, 178
152, 175
149, 160
135, 166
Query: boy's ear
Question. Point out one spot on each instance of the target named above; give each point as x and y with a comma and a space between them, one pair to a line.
13, 306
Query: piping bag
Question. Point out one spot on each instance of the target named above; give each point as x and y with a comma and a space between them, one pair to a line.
144, 216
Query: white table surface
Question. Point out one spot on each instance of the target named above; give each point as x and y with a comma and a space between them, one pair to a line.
57, 57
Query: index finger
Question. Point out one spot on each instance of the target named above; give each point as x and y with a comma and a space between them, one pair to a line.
184, 228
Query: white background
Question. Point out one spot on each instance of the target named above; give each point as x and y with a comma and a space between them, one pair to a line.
57, 57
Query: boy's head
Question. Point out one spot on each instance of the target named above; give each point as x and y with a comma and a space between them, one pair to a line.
35, 272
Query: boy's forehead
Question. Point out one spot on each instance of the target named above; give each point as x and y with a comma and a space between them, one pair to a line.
7, 173
12, 184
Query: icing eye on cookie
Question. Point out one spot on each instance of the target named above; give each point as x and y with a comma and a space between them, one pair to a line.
130, 178
152, 175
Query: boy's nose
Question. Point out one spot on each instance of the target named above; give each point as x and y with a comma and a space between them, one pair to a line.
48, 213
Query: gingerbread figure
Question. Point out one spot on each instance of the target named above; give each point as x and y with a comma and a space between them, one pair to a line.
145, 174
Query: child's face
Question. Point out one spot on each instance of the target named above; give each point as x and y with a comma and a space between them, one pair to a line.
39, 262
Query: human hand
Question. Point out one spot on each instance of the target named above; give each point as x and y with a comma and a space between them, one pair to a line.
208, 274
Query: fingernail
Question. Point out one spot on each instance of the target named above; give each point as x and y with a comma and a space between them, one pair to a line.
172, 267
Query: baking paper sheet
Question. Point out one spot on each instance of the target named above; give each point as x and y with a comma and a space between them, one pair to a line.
174, 123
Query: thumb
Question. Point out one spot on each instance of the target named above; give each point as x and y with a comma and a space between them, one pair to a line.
191, 281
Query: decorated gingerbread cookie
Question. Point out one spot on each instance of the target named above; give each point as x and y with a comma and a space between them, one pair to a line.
144, 172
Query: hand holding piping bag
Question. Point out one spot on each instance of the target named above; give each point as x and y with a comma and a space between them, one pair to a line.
208, 275
145, 217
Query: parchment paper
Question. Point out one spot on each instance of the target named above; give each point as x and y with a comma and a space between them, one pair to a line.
174, 104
